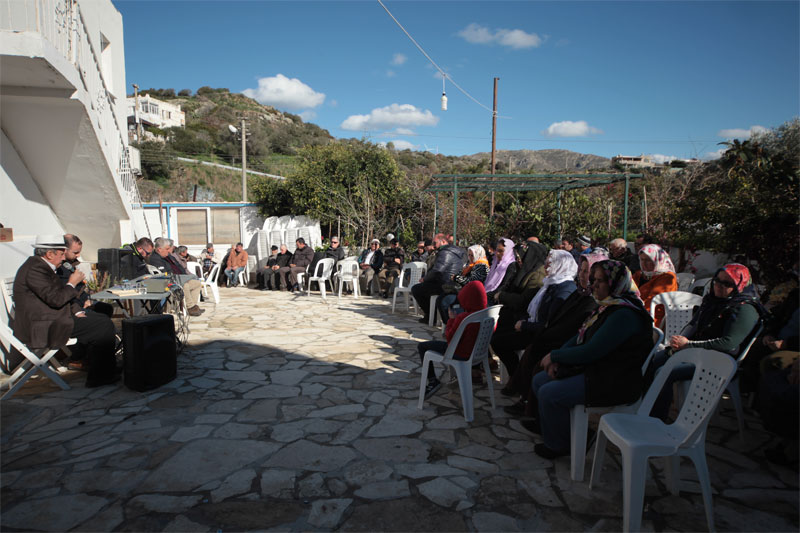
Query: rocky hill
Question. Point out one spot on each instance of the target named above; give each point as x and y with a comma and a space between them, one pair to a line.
542, 160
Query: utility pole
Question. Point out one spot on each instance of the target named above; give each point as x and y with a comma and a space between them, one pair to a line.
494, 143
244, 161
136, 112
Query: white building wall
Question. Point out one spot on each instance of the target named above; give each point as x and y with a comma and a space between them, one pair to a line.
20, 197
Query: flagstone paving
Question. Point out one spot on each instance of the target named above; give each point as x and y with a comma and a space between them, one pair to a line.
290, 413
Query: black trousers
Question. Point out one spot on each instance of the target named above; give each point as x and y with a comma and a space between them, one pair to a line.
422, 293
96, 332
506, 344
436, 346
268, 279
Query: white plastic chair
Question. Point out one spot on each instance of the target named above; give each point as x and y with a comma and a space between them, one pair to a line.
579, 417
322, 274
244, 275
702, 282
410, 276
347, 272
487, 319
685, 280
678, 310
193, 267
301, 277
640, 436
211, 282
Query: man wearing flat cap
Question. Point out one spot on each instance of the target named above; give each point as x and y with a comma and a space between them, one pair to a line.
47, 315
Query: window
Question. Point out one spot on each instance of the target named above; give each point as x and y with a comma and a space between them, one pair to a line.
192, 226
225, 226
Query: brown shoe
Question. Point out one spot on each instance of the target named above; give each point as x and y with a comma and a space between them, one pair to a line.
80, 364
194, 311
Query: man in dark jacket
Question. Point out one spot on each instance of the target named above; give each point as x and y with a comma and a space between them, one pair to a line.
271, 275
135, 263
449, 261
301, 258
334, 251
421, 253
264, 277
392, 263
46, 314
370, 262
620, 252
163, 261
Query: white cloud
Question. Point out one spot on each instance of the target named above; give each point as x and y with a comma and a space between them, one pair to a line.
716, 154
516, 39
738, 133
403, 131
285, 93
399, 59
392, 116
661, 158
569, 128
400, 144
390, 73
308, 114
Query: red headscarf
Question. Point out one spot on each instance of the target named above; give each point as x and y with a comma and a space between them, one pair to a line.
739, 274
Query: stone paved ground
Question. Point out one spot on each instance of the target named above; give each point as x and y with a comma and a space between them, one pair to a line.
293, 414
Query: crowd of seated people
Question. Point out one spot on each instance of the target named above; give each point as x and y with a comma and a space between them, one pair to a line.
575, 329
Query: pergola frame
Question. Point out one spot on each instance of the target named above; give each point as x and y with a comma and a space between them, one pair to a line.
456, 183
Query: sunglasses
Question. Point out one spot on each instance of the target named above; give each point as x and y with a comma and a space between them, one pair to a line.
334, 242
725, 283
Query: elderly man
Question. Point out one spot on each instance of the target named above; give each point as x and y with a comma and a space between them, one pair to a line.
449, 261
209, 257
163, 261
335, 251
237, 261
47, 312
370, 262
392, 263
619, 251
420, 254
301, 258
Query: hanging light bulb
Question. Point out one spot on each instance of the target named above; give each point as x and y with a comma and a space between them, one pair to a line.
444, 96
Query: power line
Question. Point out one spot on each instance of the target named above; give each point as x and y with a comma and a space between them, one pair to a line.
441, 71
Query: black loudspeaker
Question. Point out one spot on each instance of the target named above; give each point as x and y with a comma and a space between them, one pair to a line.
117, 262
150, 358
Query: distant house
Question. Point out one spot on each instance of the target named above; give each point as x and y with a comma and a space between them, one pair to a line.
634, 161
152, 112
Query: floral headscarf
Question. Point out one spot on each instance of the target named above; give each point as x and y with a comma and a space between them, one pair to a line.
623, 291
659, 257
562, 268
739, 274
498, 270
591, 258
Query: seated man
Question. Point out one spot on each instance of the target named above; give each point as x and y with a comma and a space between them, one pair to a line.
47, 315
335, 251
392, 263
137, 260
449, 261
370, 263
283, 259
237, 261
209, 257
264, 277
185, 257
620, 252
163, 261
421, 253
301, 258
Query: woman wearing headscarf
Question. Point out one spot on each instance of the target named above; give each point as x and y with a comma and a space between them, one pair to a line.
727, 317
516, 297
657, 275
476, 270
601, 365
543, 309
571, 314
503, 270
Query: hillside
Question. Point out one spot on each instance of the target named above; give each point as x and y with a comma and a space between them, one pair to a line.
274, 137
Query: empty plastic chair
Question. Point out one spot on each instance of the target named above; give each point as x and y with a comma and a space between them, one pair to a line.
410, 276
640, 436
678, 310
685, 280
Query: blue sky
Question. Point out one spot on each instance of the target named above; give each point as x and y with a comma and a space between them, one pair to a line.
666, 78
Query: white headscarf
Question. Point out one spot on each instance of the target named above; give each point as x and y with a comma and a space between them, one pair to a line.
562, 267
477, 251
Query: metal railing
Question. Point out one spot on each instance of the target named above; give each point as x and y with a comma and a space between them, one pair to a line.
62, 24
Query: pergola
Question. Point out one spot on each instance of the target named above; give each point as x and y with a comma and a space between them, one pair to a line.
457, 183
